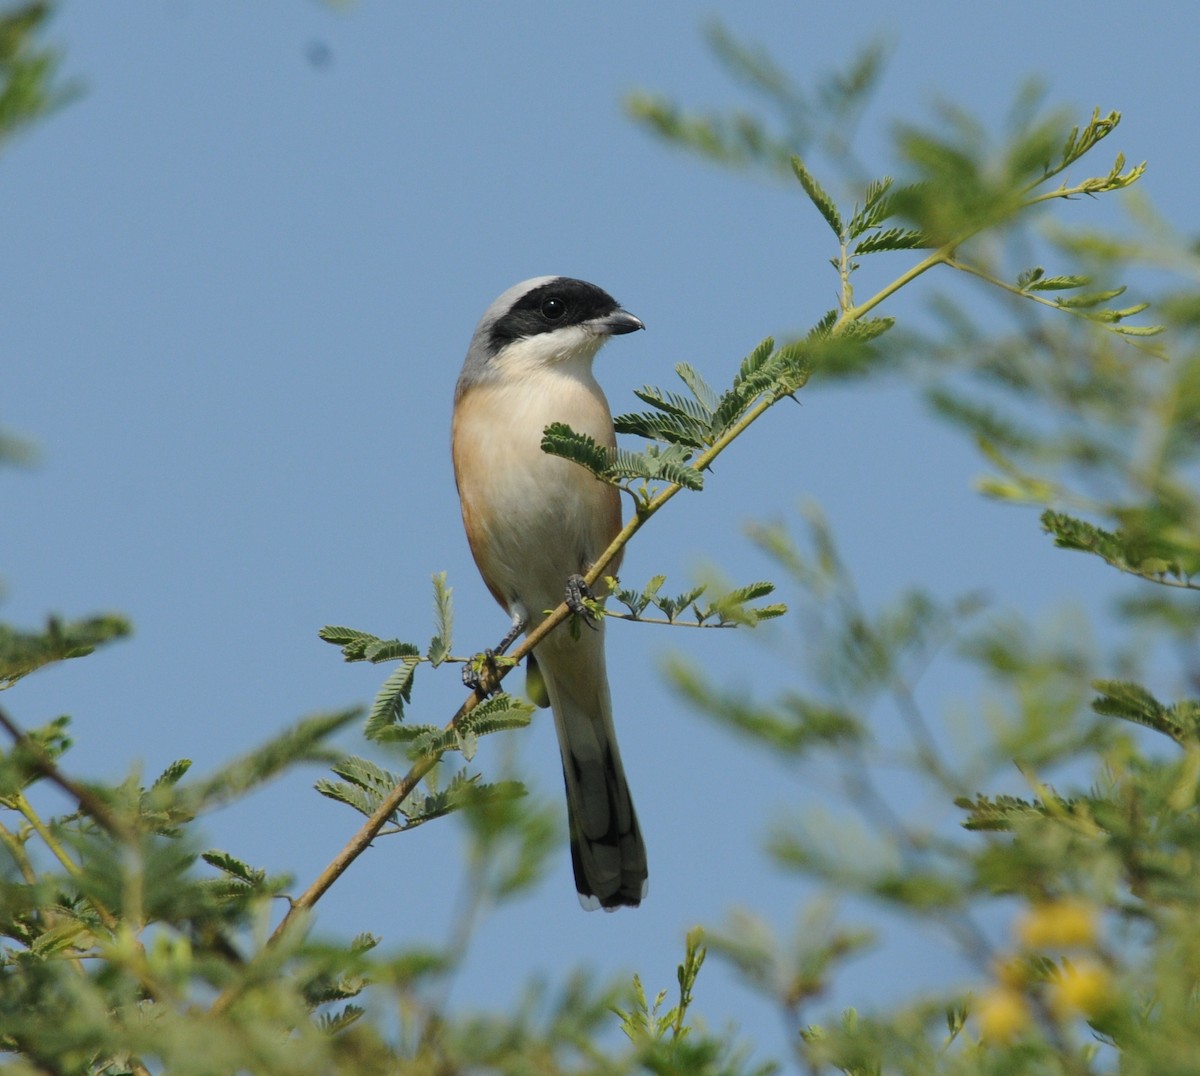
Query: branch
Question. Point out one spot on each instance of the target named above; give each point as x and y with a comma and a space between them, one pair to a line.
91, 804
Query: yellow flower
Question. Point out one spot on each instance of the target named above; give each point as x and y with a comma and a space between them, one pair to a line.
1003, 1014
1083, 986
1058, 924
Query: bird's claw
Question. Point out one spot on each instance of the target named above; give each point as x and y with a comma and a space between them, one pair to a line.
578, 595
479, 674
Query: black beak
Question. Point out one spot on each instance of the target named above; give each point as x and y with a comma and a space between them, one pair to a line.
617, 323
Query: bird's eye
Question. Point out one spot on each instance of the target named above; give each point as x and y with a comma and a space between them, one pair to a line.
553, 308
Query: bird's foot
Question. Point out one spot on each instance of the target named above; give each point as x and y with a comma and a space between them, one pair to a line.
581, 602
482, 673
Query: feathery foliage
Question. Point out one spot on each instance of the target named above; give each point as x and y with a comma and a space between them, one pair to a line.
28, 86
131, 946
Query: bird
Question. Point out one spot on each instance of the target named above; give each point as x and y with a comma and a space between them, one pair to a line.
535, 524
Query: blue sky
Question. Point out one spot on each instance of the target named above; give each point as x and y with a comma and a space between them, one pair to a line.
241, 272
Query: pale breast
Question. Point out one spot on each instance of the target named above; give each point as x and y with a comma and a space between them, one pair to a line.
532, 519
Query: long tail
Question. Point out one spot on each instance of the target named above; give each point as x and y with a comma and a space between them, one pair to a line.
606, 845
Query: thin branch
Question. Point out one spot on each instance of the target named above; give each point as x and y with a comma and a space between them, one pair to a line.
16, 849
22, 805
88, 801
939, 257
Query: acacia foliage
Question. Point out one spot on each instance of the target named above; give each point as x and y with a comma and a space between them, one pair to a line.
130, 946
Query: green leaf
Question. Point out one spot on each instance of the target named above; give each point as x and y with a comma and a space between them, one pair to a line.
863, 330
351, 795
365, 774
751, 591
750, 372
638, 601
1146, 553
412, 733
558, 439
678, 406
1091, 299
303, 742
234, 867
1078, 143
996, 814
336, 1022
736, 141
356, 644
1132, 702
500, 713
364, 786
59, 938
1056, 283
818, 197
23, 652
657, 465
793, 363
876, 208
340, 636
756, 375
388, 707
18, 768
672, 607
382, 650
663, 426
1139, 330
464, 790
173, 774
821, 330
705, 397
1026, 277
27, 69
443, 606
733, 607
892, 239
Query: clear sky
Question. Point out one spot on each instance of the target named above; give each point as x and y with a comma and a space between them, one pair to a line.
240, 274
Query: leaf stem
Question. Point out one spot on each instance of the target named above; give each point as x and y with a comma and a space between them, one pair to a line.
25, 808
667, 623
942, 256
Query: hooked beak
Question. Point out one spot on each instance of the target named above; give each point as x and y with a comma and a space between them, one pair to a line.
617, 323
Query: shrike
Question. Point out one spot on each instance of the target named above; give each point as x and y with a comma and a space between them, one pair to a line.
535, 523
